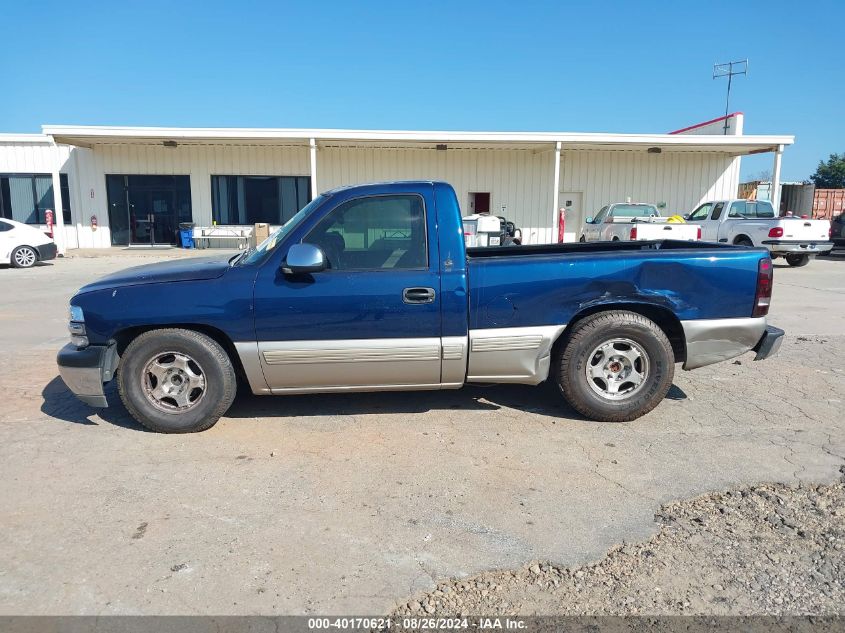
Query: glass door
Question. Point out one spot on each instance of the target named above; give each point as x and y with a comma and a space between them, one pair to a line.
147, 210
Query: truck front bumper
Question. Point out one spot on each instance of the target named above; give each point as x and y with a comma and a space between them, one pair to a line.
780, 247
85, 370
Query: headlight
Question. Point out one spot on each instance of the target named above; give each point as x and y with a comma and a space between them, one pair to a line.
76, 327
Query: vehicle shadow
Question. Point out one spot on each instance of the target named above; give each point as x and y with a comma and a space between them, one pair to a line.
61, 404
543, 400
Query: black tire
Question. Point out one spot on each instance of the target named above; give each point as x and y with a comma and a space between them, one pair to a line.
585, 339
796, 261
744, 242
24, 257
214, 365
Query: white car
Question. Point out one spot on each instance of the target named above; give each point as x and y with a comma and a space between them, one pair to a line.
22, 245
753, 223
635, 221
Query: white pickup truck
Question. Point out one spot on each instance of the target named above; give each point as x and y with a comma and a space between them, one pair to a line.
635, 221
753, 223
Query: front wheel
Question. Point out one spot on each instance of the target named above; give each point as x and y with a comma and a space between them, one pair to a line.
176, 381
797, 260
616, 366
24, 257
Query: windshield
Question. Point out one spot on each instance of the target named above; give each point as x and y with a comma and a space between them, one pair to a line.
280, 233
635, 211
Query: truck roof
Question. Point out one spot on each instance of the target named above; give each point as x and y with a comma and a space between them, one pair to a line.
366, 187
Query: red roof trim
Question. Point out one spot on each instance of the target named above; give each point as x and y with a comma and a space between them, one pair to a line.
697, 125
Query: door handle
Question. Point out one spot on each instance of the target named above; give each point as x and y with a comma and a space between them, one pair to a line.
418, 295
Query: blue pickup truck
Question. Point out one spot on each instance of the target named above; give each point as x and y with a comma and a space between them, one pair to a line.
370, 288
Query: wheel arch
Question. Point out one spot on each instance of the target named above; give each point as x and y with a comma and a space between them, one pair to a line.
742, 237
125, 336
662, 316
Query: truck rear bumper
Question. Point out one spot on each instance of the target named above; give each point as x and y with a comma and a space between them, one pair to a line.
769, 343
711, 341
85, 370
778, 247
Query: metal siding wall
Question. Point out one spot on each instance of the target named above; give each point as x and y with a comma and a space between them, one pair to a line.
40, 158
680, 179
519, 179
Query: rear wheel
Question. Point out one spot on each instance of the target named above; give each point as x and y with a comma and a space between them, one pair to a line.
616, 366
744, 241
176, 381
24, 257
797, 260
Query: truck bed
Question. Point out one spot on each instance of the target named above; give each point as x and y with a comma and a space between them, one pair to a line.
513, 286
575, 248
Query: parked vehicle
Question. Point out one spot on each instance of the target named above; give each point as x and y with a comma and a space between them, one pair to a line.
483, 229
837, 230
23, 246
753, 223
370, 288
635, 221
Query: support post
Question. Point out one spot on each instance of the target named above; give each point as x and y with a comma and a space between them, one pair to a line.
556, 191
58, 204
775, 196
313, 150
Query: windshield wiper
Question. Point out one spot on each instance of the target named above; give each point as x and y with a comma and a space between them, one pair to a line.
239, 256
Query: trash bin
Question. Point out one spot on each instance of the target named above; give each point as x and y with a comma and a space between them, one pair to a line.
186, 234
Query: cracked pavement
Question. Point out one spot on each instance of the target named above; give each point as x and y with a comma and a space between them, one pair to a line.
352, 503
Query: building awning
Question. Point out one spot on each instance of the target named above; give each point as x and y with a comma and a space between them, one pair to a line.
92, 136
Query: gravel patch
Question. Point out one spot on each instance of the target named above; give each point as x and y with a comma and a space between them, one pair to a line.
763, 550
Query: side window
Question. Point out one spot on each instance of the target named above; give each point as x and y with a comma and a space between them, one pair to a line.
5, 226
375, 233
738, 209
600, 216
701, 212
717, 211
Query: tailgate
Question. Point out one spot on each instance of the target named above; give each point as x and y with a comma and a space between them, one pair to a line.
667, 231
800, 229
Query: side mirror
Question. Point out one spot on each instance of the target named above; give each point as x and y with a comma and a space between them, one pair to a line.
686, 216
303, 259
589, 220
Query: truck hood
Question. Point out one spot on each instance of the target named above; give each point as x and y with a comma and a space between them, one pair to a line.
188, 269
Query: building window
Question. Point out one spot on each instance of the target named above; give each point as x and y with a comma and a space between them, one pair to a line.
66, 216
26, 197
251, 199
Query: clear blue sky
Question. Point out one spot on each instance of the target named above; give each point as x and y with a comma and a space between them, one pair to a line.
591, 66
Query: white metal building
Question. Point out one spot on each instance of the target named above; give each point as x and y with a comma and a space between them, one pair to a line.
121, 186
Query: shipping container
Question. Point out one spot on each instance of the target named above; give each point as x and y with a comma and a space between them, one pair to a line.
828, 203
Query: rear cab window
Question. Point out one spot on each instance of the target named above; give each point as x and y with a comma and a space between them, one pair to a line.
635, 211
751, 209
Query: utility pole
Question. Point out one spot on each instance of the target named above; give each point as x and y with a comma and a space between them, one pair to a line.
729, 70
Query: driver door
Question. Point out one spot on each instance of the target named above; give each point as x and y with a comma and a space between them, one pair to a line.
372, 319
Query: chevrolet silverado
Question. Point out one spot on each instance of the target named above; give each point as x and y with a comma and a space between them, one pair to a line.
371, 288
